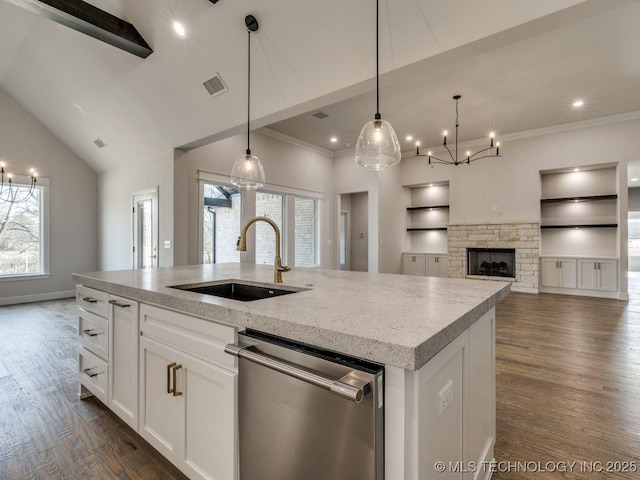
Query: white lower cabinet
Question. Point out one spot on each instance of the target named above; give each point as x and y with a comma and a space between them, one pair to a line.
598, 275
579, 276
422, 264
188, 411
414, 264
558, 272
123, 348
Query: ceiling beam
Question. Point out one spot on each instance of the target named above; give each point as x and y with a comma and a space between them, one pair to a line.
92, 21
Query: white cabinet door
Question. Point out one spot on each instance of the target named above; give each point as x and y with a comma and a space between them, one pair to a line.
436, 266
158, 405
567, 273
549, 272
587, 274
607, 275
124, 354
188, 411
414, 264
208, 418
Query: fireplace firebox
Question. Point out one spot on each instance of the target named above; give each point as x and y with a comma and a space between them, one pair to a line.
491, 262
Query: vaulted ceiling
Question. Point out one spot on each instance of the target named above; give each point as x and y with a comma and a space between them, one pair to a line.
518, 66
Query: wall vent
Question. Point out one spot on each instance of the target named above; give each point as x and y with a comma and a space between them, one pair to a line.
320, 115
215, 86
98, 142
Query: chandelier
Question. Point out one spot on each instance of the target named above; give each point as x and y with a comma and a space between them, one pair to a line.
12, 193
453, 155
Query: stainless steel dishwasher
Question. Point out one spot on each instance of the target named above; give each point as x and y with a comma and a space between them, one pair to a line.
307, 413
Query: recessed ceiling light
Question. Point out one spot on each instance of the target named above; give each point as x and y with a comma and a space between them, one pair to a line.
334, 139
578, 103
179, 29
409, 138
635, 179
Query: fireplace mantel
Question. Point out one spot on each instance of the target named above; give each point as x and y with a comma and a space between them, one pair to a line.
524, 237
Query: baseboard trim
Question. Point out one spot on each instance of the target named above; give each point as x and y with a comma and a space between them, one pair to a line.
38, 297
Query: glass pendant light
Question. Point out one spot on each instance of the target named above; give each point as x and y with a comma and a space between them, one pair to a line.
378, 146
247, 172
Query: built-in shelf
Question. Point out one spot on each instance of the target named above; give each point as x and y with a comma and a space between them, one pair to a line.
590, 198
598, 225
424, 229
433, 207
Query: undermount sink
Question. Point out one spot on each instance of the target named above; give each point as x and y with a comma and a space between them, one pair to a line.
236, 291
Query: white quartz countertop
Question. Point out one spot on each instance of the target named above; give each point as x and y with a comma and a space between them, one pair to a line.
397, 320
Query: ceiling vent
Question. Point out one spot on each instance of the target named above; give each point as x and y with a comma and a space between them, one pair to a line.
215, 86
320, 115
98, 142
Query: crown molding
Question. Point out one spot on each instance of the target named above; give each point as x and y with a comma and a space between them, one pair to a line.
294, 141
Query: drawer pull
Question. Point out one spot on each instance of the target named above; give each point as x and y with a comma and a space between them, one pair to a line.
176, 393
89, 372
89, 300
119, 304
91, 333
169, 367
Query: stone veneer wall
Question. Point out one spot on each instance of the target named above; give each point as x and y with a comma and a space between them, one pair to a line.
523, 236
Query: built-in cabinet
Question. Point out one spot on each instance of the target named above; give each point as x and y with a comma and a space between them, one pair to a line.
166, 375
422, 264
427, 220
579, 231
598, 274
558, 272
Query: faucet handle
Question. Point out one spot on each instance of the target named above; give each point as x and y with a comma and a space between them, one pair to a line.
284, 268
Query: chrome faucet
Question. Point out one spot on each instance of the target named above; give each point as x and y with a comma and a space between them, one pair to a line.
278, 268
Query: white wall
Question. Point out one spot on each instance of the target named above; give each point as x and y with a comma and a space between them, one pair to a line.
284, 164
24, 143
116, 218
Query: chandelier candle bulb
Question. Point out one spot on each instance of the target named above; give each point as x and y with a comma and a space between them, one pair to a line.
445, 138
491, 135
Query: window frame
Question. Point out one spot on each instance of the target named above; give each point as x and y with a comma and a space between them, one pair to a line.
45, 241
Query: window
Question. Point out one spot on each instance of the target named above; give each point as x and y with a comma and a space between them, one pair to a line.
305, 231
221, 224
268, 205
23, 227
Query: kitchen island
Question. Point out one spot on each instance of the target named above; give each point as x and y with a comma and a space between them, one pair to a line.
435, 337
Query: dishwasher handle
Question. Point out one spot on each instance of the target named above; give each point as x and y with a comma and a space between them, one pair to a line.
350, 386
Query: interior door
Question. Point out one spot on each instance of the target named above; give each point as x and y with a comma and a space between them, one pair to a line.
145, 229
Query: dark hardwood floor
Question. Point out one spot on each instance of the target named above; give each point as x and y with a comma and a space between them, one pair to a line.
568, 390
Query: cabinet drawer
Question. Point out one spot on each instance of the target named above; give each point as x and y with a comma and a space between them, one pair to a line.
93, 333
202, 338
93, 373
92, 300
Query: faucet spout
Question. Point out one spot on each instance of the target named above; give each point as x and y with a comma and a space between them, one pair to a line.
278, 268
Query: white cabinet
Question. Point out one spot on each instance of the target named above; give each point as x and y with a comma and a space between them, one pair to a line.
188, 404
425, 264
558, 272
93, 342
413, 264
437, 266
123, 348
598, 275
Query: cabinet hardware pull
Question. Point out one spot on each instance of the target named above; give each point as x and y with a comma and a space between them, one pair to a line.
169, 367
118, 304
89, 300
91, 333
176, 393
88, 372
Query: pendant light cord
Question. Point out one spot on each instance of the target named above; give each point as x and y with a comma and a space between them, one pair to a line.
377, 65
248, 89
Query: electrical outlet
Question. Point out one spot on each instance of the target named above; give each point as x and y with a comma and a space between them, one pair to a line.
445, 397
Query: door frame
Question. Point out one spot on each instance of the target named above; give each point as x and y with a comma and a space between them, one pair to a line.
138, 196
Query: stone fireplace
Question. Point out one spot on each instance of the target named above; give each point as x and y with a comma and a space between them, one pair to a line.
491, 262
523, 238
